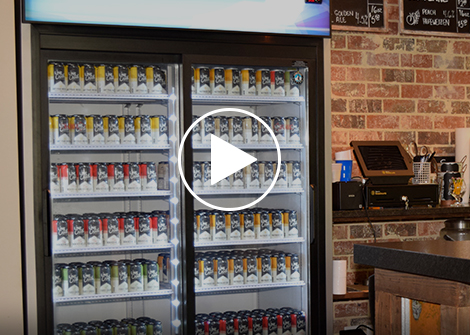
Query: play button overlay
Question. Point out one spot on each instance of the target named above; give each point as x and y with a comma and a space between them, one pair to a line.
225, 160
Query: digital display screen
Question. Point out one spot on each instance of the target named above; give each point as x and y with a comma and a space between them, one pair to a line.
262, 16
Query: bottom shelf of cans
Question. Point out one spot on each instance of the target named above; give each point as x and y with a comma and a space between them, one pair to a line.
270, 321
141, 325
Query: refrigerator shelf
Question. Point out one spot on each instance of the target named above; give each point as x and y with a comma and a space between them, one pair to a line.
247, 242
136, 147
253, 146
113, 297
69, 252
200, 99
249, 191
110, 195
245, 288
106, 98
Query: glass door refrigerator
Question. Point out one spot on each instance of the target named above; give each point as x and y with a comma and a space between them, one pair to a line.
114, 213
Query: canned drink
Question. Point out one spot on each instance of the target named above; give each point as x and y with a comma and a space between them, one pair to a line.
270, 324
291, 224
53, 128
294, 268
72, 74
208, 272
222, 271
235, 128
162, 130
193, 86
51, 131
127, 129
264, 134
238, 277
243, 328
129, 230
111, 234
252, 175
257, 324
202, 79
207, 176
301, 324
156, 80
248, 226
218, 226
136, 283
105, 79
148, 175
154, 327
248, 82
208, 129
54, 178
119, 277
83, 171
58, 290
293, 130
262, 221
160, 229
87, 280
197, 131
292, 88
235, 227
105, 330
99, 173
78, 231
111, 129
143, 130
217, 81
70, 280
266, 173
138, 79
78, 127
197, 282
222, 128
251, 268
164, 266
238, 179
224, 183
232, 81
281, 181
145, 235
94, 225
56, 77
62, 135
60, 232
88, 78
134, 184
151, 276
68, 178
284, 323
281, 270
197, 176
279, 128
116, 177
95, 129
278, 83
293, 174
163, 176
263, 82
155, 128
266, 276
121, 79
204, 226
277, 224
122, 329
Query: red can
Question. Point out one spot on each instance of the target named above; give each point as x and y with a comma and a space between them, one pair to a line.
125, 168
116, 177
68, 178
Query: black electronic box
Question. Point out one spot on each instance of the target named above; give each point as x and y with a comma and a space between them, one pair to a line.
347, 195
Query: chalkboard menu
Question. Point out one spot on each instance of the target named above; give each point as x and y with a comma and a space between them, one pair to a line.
444, 16
367, 15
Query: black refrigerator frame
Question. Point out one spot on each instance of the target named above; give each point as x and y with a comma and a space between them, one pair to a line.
185, 46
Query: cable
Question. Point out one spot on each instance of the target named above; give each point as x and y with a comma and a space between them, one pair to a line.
367, 211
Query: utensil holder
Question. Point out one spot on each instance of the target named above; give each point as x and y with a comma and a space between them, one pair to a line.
422, 172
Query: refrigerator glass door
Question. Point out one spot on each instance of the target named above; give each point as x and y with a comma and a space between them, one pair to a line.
114, 215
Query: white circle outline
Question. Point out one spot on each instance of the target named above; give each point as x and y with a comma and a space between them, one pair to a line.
278, 149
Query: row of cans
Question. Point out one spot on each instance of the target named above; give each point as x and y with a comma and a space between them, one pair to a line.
106, 78
109, 229
252, 224
109, 177
259, 174
247, 81
108, 129
247, 130
245, 267
110, 277
271, 321
140, 326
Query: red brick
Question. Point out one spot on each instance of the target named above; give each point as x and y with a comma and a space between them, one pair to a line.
392, 28
431, 106
415, 122
348, 121
401, 76
383, 122
405, 44
365, 106
383, 59
468, 92
434, 46
346, 57
357, 277
343, 248
445, 151
361, 43
399, 106
363, 74
348, 89
354, 266
400, 229
401, 136
423, 61
467, 125
467, 63
338, 105
339, 138
338, 41
368, 135
460, 107
416, 91
349, 309
339, 324
383, 90
432, 138
393, 13
430, 228
338, 73
459, 77
461, 47
449, 122
452, 63
431, 77
449, 92
364, 231
392, 2
340, 232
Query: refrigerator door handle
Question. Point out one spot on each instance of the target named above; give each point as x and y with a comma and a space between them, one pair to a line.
312, 213
46, 227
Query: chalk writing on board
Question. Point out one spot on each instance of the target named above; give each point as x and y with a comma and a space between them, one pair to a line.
357, 13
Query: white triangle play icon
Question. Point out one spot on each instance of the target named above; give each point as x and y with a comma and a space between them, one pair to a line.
226, 159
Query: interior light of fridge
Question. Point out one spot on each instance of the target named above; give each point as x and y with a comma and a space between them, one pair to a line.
175, 283
175, 262
172, 97
173, 139
176, 323
174, 160
175, 303
175, 221
174, 201
175, 241
174, 180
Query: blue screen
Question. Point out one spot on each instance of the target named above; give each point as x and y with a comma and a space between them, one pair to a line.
265, 16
